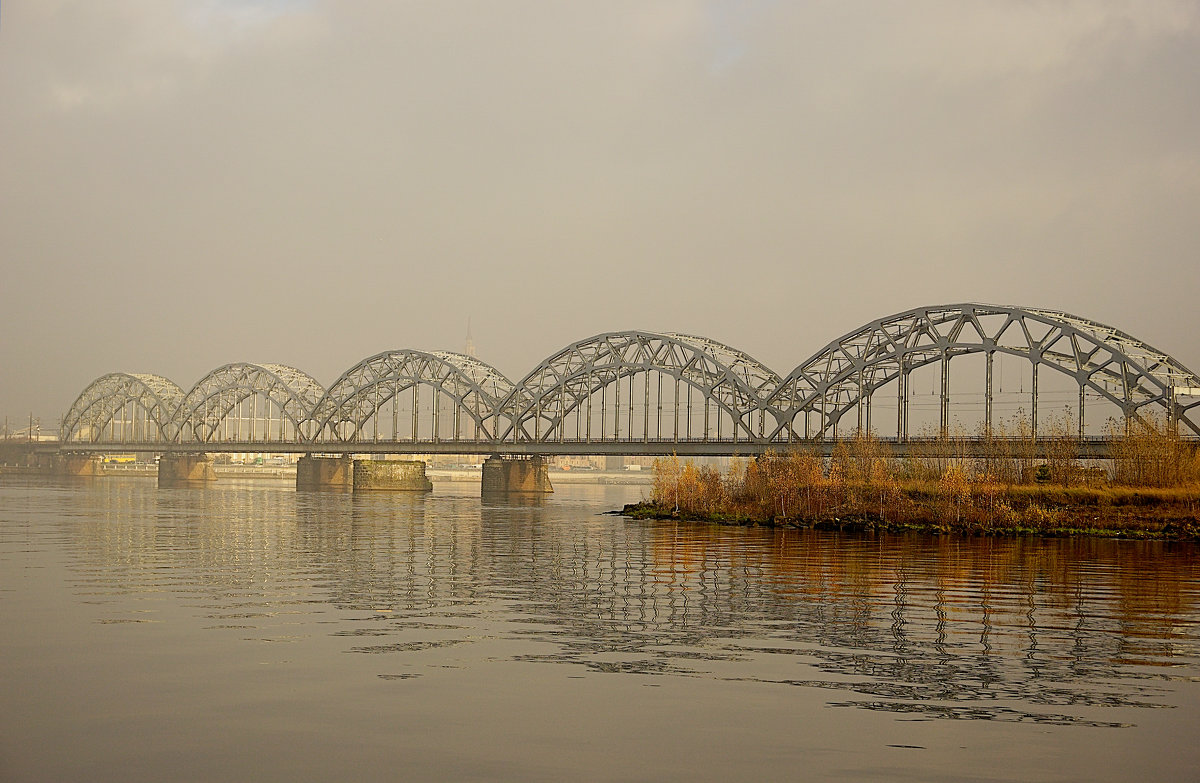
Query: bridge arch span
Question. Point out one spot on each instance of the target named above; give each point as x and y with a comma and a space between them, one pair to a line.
1110, 364
141, 405
255, 402
610, 387
409, 395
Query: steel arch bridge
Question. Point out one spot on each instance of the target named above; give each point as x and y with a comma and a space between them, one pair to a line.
638, 392
223, 396
142, 405
366, 393
577, 393
844, 375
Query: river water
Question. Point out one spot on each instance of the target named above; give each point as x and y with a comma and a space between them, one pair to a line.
247, 631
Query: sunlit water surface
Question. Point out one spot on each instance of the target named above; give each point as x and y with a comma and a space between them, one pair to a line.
250, 632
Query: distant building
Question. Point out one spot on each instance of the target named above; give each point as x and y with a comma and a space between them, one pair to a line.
469, 349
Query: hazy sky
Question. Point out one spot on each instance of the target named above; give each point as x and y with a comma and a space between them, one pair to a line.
185, 183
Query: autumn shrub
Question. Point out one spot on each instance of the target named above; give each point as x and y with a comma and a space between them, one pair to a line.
954, 490
1151, 454
995, 486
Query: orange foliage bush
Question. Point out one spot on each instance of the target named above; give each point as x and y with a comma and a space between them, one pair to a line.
861, 479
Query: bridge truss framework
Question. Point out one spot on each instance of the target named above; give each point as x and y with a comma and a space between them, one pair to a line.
633, 392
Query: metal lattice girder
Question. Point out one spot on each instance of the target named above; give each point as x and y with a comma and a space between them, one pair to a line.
1101, 359
475, 387
96, 406
201, 412
539, 406
1114, 365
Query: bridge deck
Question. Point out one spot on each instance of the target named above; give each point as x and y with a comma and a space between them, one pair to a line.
1087, 448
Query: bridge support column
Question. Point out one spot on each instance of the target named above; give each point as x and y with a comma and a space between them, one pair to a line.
316, 473
987, 396
515, 474
78, 465
1033, 421
176, 469
945, 408
1082, 420
390, 475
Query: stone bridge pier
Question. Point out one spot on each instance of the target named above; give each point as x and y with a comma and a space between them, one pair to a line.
390, 475
503, 473
315, 472
361, 475
185, 469
78, 465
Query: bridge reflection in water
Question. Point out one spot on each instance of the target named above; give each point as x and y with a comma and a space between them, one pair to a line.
660, 393
1057, 631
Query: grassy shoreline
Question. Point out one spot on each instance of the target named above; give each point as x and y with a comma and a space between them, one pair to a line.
1131, 522
1151, 491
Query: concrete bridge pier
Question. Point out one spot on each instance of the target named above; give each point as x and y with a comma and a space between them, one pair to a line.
390, 475
317, 473
184, 469
502, 473
78, 465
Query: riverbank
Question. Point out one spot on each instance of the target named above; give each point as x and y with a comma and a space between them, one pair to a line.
1150, 490
1112, 512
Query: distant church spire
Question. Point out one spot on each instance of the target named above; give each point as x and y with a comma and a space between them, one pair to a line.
469, 350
